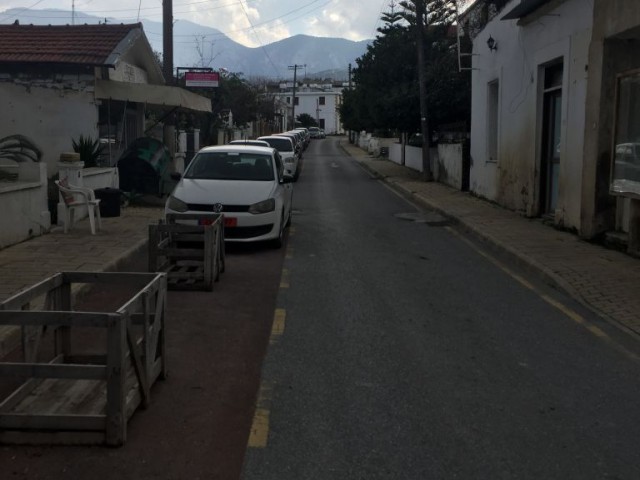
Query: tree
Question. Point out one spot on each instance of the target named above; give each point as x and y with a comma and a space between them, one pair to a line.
306, 120
381, 100
238, 96
385, 78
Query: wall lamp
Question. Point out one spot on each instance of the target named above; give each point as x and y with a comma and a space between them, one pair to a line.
492, 44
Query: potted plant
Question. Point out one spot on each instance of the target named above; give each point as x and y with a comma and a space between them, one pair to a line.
90, 150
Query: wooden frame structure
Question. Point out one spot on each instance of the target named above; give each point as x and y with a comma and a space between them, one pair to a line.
191, 254
83, 398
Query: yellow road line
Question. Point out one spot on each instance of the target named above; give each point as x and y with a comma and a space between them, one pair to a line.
277, 328
284, 279
259, 433
289, 254
568, 312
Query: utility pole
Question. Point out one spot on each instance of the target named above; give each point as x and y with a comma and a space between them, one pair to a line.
167, 40
73, 12
295, 68
422, 76
350, 132
169, 133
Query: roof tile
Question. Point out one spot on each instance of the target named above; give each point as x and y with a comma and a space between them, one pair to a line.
69, 44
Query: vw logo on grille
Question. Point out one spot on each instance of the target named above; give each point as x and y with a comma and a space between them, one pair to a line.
217, 207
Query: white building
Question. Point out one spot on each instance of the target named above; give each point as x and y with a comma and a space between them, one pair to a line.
60, 82
544, 110
321, 102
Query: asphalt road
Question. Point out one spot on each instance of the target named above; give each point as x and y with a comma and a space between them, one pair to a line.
394, 349
403, 351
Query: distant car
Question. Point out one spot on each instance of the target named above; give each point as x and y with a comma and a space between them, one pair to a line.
627, 162
254, 143
314, 132
287, 150
245, 183
322, 134
296, 142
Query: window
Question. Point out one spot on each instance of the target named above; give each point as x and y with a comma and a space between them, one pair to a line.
297, 102
230, 166
289, 100
625, 165
493, 97
321, 101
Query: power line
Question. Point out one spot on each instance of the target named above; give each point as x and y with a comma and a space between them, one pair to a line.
266, 22
258, 38
375, 26
24, 8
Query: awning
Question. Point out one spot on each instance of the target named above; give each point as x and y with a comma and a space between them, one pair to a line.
152, 94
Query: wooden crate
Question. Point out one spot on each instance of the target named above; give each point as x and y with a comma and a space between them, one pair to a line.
82, 398
191, 254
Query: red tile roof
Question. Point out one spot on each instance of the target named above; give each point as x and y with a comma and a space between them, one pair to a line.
69, 44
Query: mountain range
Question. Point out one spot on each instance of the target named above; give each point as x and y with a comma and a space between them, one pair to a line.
201, 46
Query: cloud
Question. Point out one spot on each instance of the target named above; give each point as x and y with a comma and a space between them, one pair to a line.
342, 20
273, 19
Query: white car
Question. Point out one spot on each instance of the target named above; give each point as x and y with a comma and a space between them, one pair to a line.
287, 150
247, 184
254, 143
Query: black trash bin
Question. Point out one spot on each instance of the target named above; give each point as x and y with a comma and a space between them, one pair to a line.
109, 201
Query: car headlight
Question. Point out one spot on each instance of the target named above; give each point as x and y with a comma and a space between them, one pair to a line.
263, 207
176, 204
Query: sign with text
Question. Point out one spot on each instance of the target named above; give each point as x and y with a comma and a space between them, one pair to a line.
201, 79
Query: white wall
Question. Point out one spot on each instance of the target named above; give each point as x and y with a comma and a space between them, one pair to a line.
449, 170
50, 115
25, 211
512, 181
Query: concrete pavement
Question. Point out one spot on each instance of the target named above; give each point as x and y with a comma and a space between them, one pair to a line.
606, 281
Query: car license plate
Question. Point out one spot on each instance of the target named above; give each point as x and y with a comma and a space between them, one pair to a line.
230, 222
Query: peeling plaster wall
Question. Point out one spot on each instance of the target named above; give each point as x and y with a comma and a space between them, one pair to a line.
517, 64
49, 112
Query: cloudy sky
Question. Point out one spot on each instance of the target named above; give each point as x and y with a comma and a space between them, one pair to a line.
250, 22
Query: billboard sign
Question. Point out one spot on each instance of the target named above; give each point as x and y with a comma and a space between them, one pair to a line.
202, 79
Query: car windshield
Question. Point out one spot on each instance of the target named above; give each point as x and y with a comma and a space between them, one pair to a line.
231, 166
280, 144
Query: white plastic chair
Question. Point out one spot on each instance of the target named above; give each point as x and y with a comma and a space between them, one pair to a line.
74, 197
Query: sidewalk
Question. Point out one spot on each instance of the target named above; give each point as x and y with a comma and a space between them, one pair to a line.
606, 281
29, 262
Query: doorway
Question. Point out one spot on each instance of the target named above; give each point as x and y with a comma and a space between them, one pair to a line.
551, 139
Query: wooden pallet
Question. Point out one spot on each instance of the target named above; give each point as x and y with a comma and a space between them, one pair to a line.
192, 255
68, 398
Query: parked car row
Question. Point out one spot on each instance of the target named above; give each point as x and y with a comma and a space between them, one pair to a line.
249, 181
